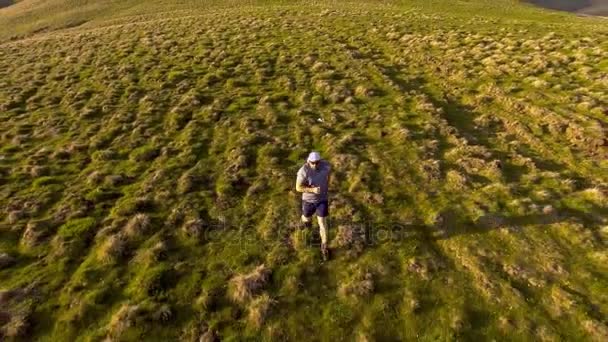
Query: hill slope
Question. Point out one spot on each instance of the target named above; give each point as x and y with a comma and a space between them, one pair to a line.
592, 7
148, 158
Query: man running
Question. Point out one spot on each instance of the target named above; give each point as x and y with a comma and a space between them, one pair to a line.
313, 183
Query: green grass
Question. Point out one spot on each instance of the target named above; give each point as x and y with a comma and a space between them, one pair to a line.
149, 153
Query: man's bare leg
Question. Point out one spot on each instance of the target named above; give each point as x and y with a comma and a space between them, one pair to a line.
306, 221
323, 229
323, 232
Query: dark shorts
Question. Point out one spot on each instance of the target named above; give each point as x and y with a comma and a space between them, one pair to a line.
321, 208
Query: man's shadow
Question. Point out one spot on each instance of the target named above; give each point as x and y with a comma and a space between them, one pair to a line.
451, 225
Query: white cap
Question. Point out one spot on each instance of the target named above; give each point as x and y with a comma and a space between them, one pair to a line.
314, 156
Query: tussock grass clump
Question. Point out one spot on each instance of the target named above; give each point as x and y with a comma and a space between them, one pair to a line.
456, 181
176, 216
152, 281
152, 255
17, 327
137, 226
319, 67
113, 249
158, 252
431, 169
39, 171
597, 195
95, 177
61, 154
188, 181
205, 301
299, 239
8, 296
115, 180
14, 216
459, 321
72, 236
259, 309
208, 336
604, 232
178, 118
243, 287
76, 228
524, 274
163, 313
596, 329
363, 91
351, 237
194, 228
130, 206
35, 232
124, 318
424, 267
104, 155
144, 154
562, 302
359, 285
6, 260
411, 302
15, 322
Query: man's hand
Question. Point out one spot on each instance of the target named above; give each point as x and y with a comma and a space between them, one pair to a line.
309, 189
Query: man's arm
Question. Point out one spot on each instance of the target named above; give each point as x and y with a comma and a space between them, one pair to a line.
300, 187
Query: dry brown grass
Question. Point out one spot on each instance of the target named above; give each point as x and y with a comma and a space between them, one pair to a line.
597, 330
153, 255
361, 285
137, 226
163, 313
244, 286
95, 177
9, 296
350, 237
15, 215
193, 228
363, 91
6, 260
35, 232
208, 336
113, 248
122, 319
259, 309
17, 327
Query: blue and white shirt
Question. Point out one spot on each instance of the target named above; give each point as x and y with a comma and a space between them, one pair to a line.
310, 177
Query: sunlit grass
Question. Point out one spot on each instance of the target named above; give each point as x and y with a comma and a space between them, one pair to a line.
148, 158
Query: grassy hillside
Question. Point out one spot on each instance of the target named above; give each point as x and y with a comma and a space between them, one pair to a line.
148, 155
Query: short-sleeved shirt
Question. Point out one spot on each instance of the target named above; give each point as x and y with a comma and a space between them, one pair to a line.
315, 178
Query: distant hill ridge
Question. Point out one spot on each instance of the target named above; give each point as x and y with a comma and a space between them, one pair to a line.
591, 7
5, 3
22, 18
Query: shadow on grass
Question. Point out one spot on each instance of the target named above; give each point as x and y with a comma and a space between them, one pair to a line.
451, 225
462, 118
514, 224
371, 232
